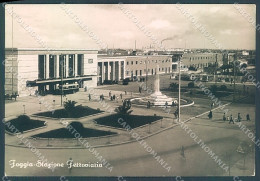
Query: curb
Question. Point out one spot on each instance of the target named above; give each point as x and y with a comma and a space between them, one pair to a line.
130, 141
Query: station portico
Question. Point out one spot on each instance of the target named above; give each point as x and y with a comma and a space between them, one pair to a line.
111, 68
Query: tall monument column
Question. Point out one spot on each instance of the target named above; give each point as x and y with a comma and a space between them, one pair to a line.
156, 84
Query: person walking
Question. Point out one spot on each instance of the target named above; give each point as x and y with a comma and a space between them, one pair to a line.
248, 117
231, 119
212, 105
210, 114
109, 94
239, 117
148, 104
121, 96
125, 93
89, 97
176, 113
224, 117
182, 152
166, 104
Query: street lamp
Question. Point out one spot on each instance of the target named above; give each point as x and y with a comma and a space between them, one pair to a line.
62, 69
179, 96
234, 77
23, 109
146, 72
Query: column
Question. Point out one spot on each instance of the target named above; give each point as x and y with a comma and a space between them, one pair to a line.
57, 66
123, 69
67, 66
47, 66
119, 70
114, 70
76, 64
108, 71
102, 72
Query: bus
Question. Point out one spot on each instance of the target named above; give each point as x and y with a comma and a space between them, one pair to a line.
69, 88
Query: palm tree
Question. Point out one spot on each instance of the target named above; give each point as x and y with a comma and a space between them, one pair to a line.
69, 106
125, 108
174, 86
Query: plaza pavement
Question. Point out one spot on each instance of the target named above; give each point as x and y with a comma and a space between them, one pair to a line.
132, 159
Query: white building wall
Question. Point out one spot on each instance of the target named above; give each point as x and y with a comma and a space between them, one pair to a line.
90, 69
27, 70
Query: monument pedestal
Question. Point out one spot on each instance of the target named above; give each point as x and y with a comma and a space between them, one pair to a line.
157, 98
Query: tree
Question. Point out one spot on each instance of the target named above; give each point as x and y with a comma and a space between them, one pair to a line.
192, 68
125, 108
225, 68
174, 86
191, 85
223, 88
213, 89
69, 106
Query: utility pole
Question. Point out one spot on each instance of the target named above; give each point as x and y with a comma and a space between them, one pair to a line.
216, 63
179, 97
234, 78
146, 73
62, 69
12, 54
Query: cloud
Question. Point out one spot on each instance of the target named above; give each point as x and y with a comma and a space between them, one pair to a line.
114, 27
159, 24
124, 34
227, 32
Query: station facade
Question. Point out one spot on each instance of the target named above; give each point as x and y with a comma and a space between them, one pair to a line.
45, 70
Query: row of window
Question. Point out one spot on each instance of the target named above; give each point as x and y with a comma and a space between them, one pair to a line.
148, 61
196, 65
200, 58
152, 71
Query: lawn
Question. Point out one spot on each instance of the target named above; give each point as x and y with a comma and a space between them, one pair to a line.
133, 121
64, 133
78, 112
23, 123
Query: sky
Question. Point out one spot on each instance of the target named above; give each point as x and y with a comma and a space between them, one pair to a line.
57, 29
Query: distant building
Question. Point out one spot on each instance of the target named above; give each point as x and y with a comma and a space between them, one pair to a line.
139, 65
120, 67
196, 60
